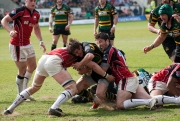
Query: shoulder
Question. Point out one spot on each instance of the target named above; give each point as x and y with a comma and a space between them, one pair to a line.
36, 12
66, 6
96, 8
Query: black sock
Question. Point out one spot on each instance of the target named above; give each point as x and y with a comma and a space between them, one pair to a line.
53, 47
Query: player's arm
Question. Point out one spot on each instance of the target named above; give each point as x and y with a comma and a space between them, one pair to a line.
37, 32
5, 23
101, 71
171, 85
96, 21
156, 42
151, 28
50, 22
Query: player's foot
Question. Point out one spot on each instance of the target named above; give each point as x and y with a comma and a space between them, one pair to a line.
7, 112
79, 99
56, 112
94, 106
152, 103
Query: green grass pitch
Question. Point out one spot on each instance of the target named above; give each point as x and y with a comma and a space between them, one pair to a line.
131, 37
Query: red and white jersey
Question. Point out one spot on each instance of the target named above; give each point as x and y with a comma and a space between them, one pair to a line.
23, 22
67, 58
115, 60
164, 74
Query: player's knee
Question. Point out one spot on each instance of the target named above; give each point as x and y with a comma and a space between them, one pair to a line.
36, 87
71, 86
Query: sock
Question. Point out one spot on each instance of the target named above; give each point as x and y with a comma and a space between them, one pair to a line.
27, 77
63, 97
135, 102
162, 99
64, 45
86, 94
19, 99
53, 47
19, 82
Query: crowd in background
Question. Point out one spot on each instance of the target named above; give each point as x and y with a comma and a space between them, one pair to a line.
124, 7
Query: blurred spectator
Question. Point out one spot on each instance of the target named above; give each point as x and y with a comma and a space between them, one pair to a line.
112, 2
152, 5
130, 12
125, 11
1, 17
126, 3
88, 14
120, 12
136, 11
119, 2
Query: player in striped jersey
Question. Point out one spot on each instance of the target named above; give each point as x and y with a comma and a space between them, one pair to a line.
62, 16
106, 17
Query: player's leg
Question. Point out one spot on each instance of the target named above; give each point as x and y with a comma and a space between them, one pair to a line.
64, 38
38, 80
70, 90
55, 41
25, 94
159, 90
30, 63
133, 90
19, 58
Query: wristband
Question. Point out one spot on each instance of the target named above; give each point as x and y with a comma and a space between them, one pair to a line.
105, 75
152, 46
114, 25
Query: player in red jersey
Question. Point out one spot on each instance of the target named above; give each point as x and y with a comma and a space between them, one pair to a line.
128, 85
24, 20
164, 84
54, 64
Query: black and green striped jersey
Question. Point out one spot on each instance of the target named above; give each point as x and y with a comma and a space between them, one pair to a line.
61, 15
174, 31
155, 17
105, 16
94, 49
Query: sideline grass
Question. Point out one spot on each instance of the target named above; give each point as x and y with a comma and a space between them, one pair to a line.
131, 37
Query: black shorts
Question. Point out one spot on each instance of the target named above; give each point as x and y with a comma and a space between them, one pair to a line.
60, 30
169, 46
111, 36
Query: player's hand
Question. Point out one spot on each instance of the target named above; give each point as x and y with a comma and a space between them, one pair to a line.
110, 78
112, 30
84, 70
50, 29
13, 33
147, 49
177, 17
67, 28
77, 66
95, 33
43, 46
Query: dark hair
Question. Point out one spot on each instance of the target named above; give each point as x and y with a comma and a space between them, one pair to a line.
73, 45
102, 35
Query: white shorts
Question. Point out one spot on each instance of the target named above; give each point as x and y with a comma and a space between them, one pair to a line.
49, 65
157, 85
129, 84
21, 53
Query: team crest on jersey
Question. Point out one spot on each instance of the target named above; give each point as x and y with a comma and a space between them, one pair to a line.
102, 13
13, 11
178, 73
60, 13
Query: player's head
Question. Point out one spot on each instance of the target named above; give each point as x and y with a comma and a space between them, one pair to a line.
165, 1
59, 2
102, 40
165, 10
74, 47
30, 4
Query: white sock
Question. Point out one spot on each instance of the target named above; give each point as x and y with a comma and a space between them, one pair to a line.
162, 99
63, 97
135, 102
19, 82
27, 77
19, 99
